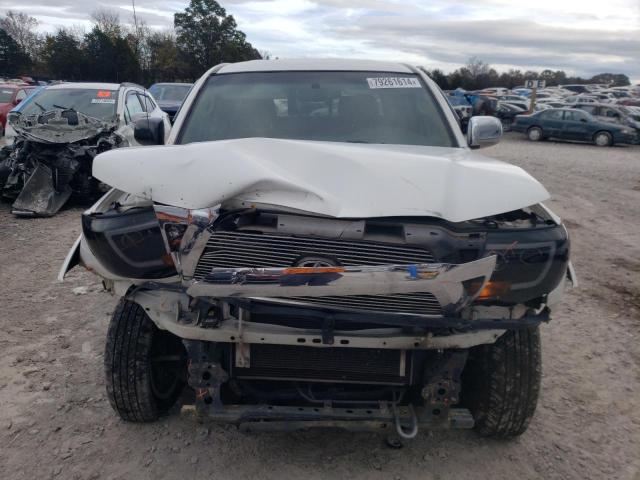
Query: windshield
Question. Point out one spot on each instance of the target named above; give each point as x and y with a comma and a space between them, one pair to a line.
170, 93
457, 100
95, 103
358, 107
630, 113
6, 94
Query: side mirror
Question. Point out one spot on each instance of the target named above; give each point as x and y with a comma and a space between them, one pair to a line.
17, 101
148, 130
483, 131
583, 120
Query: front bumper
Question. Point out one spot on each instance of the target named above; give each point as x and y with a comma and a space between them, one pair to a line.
454, 286
626, 138
284, 305
175, 311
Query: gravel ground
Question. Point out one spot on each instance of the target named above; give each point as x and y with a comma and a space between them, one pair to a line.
55, 420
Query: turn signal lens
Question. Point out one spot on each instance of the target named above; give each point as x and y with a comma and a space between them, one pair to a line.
167, 260
494, 290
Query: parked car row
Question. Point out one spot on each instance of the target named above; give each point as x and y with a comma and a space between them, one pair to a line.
613, 113
573, 124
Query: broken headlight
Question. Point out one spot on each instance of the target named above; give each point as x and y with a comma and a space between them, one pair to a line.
529, 264
128, 243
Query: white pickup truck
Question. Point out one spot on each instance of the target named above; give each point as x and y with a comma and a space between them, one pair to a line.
319, 245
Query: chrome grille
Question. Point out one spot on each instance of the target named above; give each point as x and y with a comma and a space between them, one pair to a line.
411, 303
242, 249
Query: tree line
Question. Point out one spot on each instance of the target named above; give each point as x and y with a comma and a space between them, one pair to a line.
203, 35
477, 74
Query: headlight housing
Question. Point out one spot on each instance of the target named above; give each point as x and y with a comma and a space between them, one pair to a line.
128, 243
530, 264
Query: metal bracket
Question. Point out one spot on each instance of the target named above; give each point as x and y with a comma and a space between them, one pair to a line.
442, 382
243, 355
205, 376
243, 350
328, 326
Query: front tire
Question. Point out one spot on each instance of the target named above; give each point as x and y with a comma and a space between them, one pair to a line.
603, 139
145, 367
535, 134
501, 382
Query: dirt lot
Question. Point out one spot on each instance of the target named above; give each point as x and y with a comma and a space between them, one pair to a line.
55, 420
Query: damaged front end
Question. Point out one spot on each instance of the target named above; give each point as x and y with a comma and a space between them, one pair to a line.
360, 267
291, 320
51, 159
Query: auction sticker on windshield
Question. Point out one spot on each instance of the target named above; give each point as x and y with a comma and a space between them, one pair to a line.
393, 82
103, 100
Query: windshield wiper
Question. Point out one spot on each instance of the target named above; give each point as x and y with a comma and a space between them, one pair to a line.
62, 108
39, 106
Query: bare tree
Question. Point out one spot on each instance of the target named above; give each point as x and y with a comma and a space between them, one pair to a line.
138, 37
21, 27
108, 22
76, 31
477, 67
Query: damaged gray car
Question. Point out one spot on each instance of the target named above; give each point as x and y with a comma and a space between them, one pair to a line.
56, 134
319, 245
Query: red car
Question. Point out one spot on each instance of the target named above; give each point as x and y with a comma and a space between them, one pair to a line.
630, 102
10, 95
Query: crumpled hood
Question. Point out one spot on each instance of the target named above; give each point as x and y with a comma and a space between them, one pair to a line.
326, 178
59, 126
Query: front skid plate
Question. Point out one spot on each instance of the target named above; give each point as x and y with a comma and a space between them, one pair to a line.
272, 417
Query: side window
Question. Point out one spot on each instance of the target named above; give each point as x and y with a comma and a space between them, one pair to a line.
132, 106
144, 102
588, 108
147, 103
552, 115
575, 115
611, 113
21, 95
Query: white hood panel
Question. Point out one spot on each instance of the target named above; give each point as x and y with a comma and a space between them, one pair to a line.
326, 178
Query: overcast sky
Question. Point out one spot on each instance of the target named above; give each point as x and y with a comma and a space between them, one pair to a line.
584, 37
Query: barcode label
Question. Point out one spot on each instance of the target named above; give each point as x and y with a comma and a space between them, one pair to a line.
393, 82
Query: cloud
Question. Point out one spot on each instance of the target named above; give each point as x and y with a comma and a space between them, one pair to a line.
505, 42
57, 13
580, 37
